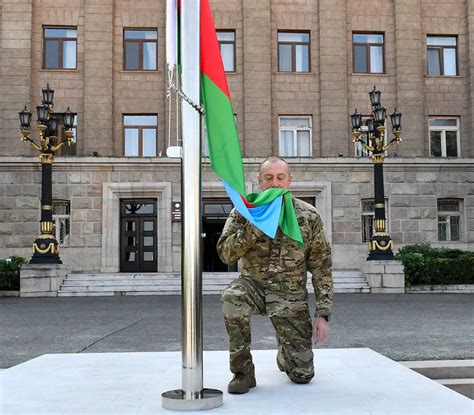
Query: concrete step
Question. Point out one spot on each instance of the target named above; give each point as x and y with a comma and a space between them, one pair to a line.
361, 290
105, 283
352, 284
114, 293
155, 288
443, 369
347, 281
457, 375
121, 277
463, 386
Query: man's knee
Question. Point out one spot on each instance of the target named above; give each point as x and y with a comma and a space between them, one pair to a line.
299, 365
300, 376
234, 304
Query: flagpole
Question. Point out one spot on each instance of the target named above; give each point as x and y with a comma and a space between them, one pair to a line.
192, 396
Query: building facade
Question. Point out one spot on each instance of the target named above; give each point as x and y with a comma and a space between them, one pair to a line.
296, 71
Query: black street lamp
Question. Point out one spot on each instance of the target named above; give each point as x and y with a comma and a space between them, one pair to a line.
45, 247
380, 244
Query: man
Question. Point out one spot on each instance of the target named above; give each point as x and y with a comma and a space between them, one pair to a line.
273, 282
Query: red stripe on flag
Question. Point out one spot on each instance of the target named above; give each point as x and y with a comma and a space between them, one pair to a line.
211, 61
247, 203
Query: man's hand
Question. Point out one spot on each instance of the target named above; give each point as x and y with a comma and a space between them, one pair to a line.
320, 330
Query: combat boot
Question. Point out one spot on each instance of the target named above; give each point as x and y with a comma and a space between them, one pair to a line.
242, 382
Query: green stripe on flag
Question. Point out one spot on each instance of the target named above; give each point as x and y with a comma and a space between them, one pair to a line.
224, 146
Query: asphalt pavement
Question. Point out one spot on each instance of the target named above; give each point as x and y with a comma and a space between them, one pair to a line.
399, 326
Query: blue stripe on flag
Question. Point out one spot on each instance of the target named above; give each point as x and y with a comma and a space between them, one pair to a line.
265, 217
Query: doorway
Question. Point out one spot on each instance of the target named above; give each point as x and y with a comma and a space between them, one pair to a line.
138, 235
214, 216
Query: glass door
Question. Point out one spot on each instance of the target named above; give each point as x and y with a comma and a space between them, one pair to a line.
138, 236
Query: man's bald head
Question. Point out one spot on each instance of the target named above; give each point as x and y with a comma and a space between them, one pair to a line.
273, 159
274, 172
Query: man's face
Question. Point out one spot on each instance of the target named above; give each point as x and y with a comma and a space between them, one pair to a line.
274, 174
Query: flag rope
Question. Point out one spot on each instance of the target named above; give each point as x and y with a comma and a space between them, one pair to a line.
184, 97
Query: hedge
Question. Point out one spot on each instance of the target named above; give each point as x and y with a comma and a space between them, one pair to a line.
426, 265
10, 273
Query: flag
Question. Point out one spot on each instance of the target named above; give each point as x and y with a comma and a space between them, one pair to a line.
265, 210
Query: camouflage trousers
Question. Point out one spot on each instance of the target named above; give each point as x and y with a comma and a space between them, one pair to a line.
244, 298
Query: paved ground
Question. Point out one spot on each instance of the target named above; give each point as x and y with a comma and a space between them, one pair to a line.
402, 327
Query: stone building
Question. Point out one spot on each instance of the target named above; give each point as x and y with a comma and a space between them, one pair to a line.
296, 71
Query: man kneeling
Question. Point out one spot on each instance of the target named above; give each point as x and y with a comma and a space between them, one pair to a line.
273, 283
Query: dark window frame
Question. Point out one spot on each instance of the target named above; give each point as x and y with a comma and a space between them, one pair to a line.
140, 134
66, 150
444, 129
459, 213
296, 130
293, 50
229, 42
140, 49
358, 147
368, 45
215, 201
365, 237
440, 49
60, 41
66, 217
140, 234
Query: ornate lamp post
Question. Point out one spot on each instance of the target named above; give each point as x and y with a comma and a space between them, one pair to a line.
45, 247
380, 244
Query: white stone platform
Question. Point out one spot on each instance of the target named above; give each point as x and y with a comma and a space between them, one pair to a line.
348, 381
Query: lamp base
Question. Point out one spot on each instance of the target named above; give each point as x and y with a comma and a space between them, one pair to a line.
45, 251
380, 248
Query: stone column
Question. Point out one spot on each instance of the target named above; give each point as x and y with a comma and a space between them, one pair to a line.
333, 76
257, 78
16, 32
410, 82
98, 47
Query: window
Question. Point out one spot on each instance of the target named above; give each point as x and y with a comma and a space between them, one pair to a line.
295, 136
140, 50
367, 218
359, 149
368, 53
66, 150
140, 135
62, 221
449, 215
293, 52
227, 46
442, 55
444, 137
60, 48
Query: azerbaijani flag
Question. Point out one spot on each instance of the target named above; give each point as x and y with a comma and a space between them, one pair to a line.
266, 210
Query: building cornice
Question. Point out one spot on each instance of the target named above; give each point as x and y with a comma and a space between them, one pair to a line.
333, 163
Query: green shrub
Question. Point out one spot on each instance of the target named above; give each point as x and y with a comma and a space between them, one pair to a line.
426, 265
10, 273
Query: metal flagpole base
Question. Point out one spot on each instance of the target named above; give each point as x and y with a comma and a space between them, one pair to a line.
176, 401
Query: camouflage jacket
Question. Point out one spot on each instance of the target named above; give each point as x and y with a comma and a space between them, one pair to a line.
279, 266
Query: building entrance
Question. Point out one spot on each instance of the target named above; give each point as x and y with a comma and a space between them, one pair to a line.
215, 213
138, 232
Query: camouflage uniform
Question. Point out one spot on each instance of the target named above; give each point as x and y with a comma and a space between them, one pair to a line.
273, 282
